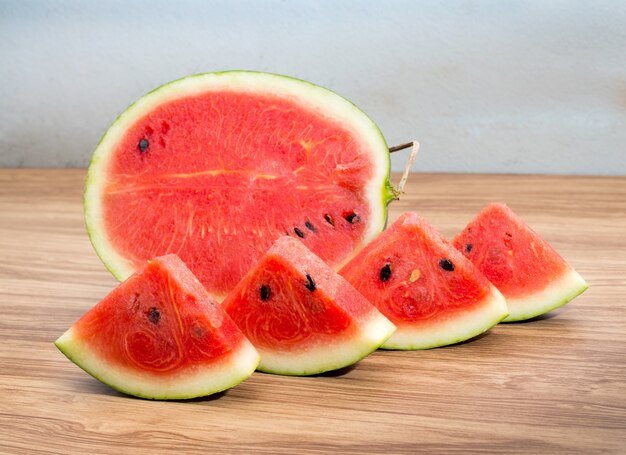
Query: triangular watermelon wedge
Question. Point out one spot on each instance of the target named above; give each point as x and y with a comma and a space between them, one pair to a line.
430, 291
533, 277
302, 316
160, 335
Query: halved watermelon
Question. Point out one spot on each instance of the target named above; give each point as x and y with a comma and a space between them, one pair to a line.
160, 335
301, 316
533, 277
220, 165
433, 294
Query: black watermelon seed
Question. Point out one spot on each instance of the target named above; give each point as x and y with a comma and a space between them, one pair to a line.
385, 273
468, 247
329, 219
353, 218
143, 145
310, 226
265, 292
446, 264
310, 284
154, 315
298, 232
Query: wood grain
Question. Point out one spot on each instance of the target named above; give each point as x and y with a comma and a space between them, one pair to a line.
553, 385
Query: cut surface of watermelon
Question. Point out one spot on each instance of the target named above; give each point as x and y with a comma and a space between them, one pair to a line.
302, 316
531, 275
222, 164
430, 291
160, 335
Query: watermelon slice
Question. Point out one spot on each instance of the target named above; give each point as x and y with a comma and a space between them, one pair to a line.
525, 268
222, 164
303, 317
433, 294
160, 335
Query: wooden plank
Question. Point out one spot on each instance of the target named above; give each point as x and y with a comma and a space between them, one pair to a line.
553, 385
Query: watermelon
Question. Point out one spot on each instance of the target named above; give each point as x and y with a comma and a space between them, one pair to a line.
160, 335
301, 315
533, 277
220, 165
430, 291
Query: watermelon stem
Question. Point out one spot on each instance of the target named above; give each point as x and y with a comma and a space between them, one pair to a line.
397, 191
397, 148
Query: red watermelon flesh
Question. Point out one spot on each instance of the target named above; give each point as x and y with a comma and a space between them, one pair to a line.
220, 165
433, 294
533, 277
160, 335
301, 315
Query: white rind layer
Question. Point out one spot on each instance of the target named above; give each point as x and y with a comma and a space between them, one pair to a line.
321, 100
556, 294
191, 382
458, 327
337, 353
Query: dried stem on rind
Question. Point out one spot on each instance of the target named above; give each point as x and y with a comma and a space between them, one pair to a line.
397, 148
407, 169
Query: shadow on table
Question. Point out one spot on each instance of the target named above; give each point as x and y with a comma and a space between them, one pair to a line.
471, 340
95, 387
335, 373
541, 317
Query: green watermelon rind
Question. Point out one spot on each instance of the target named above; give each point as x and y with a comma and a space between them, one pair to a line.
234, 369
558, 293
345, 352
481, 317
119, 266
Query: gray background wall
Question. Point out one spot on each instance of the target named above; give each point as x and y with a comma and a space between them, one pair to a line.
486, 86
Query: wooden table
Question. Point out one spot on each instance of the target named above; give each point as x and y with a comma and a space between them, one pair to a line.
556, 384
